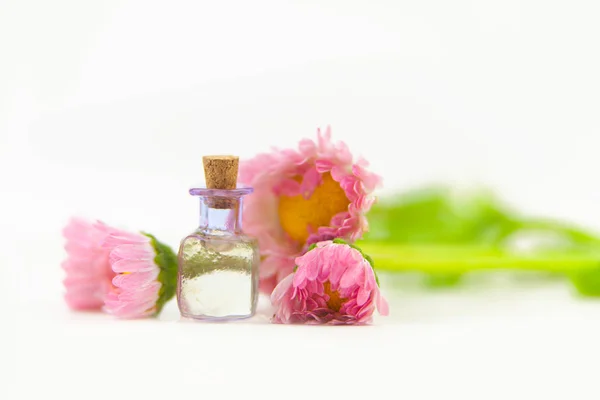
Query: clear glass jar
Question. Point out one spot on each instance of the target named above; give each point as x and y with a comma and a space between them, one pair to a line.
218, 264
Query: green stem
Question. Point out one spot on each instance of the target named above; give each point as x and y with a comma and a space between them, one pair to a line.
451, 259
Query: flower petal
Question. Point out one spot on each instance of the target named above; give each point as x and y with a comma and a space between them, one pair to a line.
287, 187
276, 174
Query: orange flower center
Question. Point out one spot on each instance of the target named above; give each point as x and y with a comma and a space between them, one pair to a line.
335, 300
297, 214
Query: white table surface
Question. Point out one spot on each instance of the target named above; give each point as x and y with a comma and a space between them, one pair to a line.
487, 341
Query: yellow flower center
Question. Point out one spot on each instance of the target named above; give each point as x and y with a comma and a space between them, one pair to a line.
296, 213
335, 300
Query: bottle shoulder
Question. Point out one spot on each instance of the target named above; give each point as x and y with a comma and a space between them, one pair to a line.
200, 234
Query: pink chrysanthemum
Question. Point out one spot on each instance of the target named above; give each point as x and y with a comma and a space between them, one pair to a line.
334, 284
129, 275
303, 197
87, 267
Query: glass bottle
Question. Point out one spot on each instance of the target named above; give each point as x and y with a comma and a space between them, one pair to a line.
218, 264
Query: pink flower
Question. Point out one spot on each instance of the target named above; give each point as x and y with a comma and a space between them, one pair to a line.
303, 197
334, 284
129, 275
88, 270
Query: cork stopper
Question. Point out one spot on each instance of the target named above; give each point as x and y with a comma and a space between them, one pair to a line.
221, 173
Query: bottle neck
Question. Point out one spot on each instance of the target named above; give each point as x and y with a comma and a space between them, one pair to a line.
225, 217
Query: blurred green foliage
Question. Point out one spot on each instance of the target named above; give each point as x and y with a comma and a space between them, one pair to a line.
440, 215
447, 232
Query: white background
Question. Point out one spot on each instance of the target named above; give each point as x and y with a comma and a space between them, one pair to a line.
107, 107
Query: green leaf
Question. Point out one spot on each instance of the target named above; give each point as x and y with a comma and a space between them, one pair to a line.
440, 215
587, 282
445, 233
442, 280
166, 259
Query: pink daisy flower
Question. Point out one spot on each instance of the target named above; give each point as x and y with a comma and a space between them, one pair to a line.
304, 196
87, 267
334, 284
129, 275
